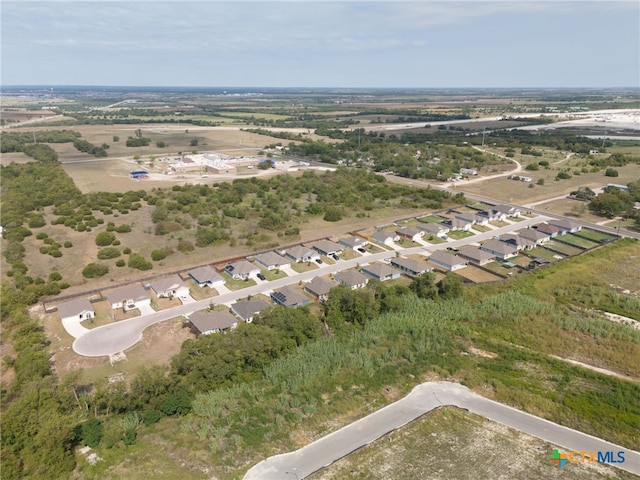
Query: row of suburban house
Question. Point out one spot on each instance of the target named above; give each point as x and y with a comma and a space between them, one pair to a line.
459, 221
135, 296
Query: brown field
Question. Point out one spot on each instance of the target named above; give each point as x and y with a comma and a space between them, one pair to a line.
523, 193
476, 275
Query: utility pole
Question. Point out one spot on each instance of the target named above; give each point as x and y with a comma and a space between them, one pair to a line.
483, 133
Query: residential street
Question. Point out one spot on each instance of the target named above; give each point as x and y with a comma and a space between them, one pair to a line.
117, 337
423, 399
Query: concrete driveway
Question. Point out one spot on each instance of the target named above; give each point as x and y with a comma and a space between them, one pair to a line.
421, 400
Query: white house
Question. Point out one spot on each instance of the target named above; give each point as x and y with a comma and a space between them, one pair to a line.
384, 237
448, 261
353, 242
206, 277
128, 297
206, 323
272, 261
79, 309
302, 254
170, 287
241, 270
381, 271
502, 250
352, 279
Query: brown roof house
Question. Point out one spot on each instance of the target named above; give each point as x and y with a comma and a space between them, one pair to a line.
319, 287
302, 254
475, 255
410, 266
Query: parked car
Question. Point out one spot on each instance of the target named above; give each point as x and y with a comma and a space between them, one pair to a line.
261, 276
362, 250
318, 261
335, 257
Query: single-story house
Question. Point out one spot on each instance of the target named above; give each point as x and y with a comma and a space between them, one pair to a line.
302, 254
205, 323
501, 250
519, 241
319, 287
448, 261
384, 237
412, 233
78, 309
534, 235
353, 242
565, 225
170, 287
289, 297
352, 279
272, 261
410, 266
550, 230
206, 277
128, 297
327, 247
492, 215
434, 229
471, 218
380, 271
475, 255
507, 210
241, 270
461, 224
247, 309
468, 171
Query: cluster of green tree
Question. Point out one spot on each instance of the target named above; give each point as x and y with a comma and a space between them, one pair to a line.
15, 141
615, 201
613, 160
138, 141
88, 147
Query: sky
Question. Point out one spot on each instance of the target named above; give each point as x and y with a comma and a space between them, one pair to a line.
348, 44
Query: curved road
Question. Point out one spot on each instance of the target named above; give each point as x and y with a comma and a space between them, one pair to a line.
421, 400
117, 337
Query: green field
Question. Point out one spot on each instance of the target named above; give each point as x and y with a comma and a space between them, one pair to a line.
564, 249
578, 241
595, 235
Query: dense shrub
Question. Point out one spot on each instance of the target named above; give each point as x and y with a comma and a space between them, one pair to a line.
104, 239
94, 270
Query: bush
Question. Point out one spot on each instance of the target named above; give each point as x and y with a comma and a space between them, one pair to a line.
104, 239
92, 432
94, 270
563, 176
55, 277
185, 246
123, 228
158, 255
609, 172
333, 214
540, 181
68, 244
120, 263
533, 167
107, 253
126, 251
139, 262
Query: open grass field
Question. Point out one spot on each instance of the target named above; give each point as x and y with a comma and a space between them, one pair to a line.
595, 235
524, 193
563, 248
578, 241
450, 443
544, 253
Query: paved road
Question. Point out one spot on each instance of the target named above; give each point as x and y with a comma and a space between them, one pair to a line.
423, 399
117, 337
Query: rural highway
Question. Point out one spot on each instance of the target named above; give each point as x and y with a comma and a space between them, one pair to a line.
421, 400
117, 337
